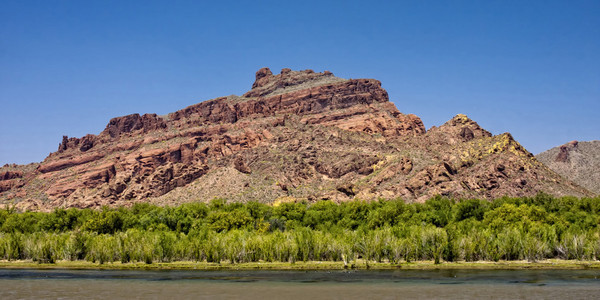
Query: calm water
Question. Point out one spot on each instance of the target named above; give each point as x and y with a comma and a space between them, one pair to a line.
400, 284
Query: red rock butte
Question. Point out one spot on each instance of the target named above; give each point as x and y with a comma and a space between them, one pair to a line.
295, 135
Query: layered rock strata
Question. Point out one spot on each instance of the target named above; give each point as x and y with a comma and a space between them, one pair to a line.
294, 135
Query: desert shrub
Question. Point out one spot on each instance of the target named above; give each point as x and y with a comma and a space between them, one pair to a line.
531, 228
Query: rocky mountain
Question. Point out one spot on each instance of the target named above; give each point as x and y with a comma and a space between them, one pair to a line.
576, 161
294, 135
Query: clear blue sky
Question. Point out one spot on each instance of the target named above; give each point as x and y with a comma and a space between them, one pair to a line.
531, 68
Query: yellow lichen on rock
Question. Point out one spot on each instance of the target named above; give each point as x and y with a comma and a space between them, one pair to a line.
500, 145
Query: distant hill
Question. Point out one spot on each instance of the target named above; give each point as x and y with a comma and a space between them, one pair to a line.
297, 135
577, 161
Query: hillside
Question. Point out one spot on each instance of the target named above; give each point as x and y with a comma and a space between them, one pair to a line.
576, 161
294, 135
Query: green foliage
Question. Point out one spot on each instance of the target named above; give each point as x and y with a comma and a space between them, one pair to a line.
440, 229
322, 214
107, 221
471, 208
227, 220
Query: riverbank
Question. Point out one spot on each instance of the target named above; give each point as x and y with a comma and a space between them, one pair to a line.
311, 265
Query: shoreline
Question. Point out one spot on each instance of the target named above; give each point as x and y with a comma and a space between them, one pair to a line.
553, 264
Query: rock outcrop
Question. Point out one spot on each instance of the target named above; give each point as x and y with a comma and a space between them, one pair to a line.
564, 150
297, 134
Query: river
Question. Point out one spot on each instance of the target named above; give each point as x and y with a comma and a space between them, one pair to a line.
287, 285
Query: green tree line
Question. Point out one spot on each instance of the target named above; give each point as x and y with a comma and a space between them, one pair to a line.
393, 231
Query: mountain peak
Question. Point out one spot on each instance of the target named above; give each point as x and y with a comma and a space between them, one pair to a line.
268, 84
460, 119
459, 129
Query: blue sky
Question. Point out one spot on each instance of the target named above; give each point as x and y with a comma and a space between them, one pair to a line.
531, 68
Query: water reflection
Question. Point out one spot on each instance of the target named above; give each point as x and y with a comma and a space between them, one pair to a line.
429, 284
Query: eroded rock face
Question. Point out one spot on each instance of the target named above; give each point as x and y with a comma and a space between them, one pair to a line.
563, 154
10, 180
298, 134
8, 175
360, 164
133, 122
266, 83
357, 105
263, 76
